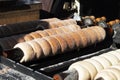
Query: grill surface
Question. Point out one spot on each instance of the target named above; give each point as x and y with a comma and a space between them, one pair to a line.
46, 68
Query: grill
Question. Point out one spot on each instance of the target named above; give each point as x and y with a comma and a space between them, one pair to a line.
45, 68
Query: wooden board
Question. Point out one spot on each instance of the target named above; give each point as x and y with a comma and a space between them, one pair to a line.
20, 13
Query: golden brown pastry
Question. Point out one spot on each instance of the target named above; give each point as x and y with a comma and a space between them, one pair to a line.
47, 50
54, 44
58, 30
65, 29
55, 24
101, 31
70, 41
84, 38
28, 37
37, 49
62, 43
35, 35
43, 33
76, 38
62, 23
93, 37
99, 37
50, 32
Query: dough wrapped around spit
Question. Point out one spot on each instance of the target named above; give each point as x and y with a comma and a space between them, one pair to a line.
25, 27
62, 42
59, 43
87, 69
110, 73
62, 23
100, 30
39, 48
37, 34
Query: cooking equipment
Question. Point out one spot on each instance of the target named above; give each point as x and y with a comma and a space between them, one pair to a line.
46, 68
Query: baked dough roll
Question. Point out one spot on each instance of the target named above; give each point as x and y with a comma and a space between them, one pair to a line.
70, 21
77, 26
110, 70
83, 38
35, 35
47, 50
43, 33
54, 44
88, 37
118, 50
50, 31
99, 37
28, 37
70, 41
37, 49
90, 67
97, 64
115, 53
76, 38
93, 35
101, 31
55, 24
113, 59
58, 30
117, 66
27, 51
105, 62
105, 76
83, 73
62, 42
115, 71
60, 24
72, 27
65, 29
